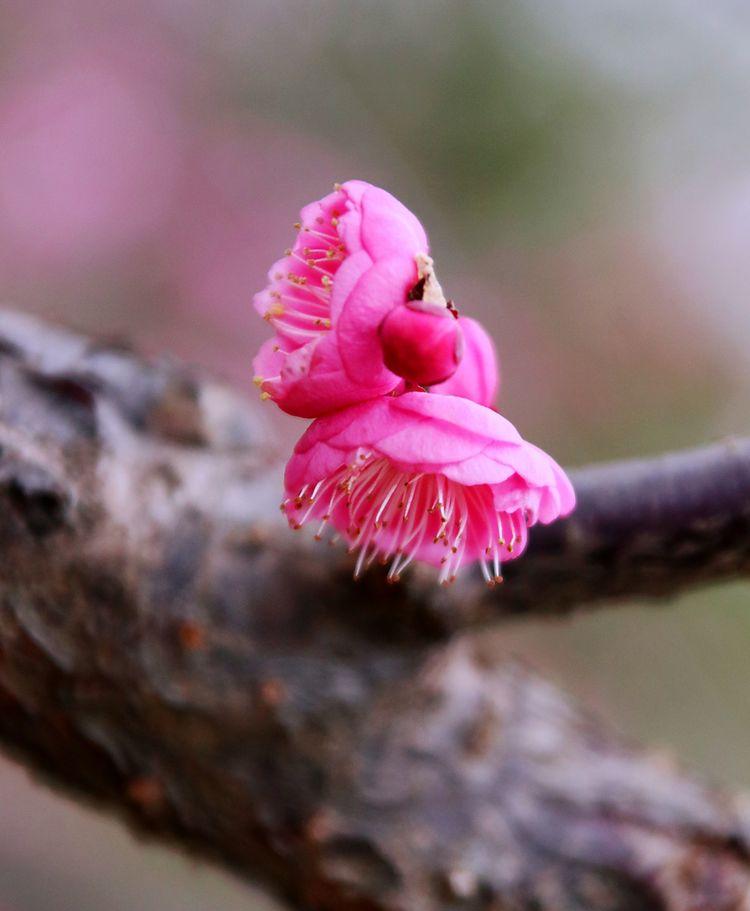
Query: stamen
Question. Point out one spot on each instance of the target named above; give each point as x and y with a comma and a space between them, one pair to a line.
398, 516
333, 238
289, 329
311, 318
312, 264
312, 303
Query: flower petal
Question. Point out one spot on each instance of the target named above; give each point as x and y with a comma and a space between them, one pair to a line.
380, 288
478, 374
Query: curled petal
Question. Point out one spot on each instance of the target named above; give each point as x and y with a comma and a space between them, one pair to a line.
380, 289
388, 228
310, 381
422, 343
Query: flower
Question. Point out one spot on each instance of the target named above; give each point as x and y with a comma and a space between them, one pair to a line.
436, 478
360, 319
478, 374
354, 259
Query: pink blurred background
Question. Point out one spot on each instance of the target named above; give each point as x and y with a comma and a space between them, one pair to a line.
583, 168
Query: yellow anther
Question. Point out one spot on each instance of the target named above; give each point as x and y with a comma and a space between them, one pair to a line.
258, 380
264, 396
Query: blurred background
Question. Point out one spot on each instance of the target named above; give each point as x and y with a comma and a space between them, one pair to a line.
583, 168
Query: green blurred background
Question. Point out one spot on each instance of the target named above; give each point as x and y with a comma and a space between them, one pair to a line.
583, 169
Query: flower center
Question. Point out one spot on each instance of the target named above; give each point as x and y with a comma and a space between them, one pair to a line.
394, 514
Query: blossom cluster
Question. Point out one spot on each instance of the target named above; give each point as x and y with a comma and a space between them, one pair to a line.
406, 458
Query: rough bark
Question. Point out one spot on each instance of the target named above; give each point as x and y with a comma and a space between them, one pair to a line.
169, 650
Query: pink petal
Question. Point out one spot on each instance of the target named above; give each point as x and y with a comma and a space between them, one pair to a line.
269, 361
389, 228
463, 413
347, 276
477, 377
380, 288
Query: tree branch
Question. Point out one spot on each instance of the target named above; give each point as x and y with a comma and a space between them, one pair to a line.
644, 527
168, 649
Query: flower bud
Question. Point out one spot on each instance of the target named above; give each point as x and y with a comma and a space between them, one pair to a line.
422, 342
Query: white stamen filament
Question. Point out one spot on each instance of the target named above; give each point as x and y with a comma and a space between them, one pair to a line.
333, 238
290, 330
290, 317
386, 521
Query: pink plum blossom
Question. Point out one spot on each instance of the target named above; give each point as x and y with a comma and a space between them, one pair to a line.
359, 254
478, 374
436, 478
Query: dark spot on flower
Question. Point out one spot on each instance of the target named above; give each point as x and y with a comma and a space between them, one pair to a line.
417, 292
